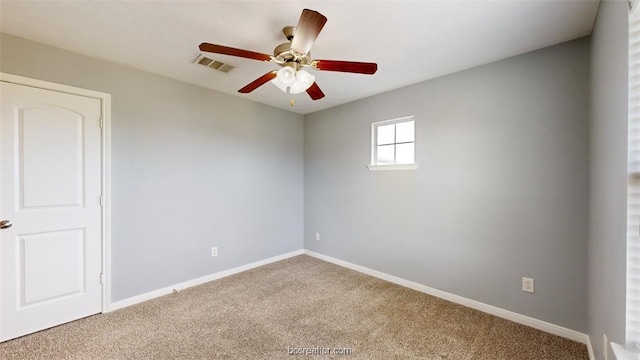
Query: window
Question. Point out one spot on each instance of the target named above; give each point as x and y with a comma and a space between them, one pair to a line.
633, 185
393, 144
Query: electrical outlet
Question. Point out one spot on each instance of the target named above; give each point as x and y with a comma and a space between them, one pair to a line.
605, 347
214, 251
318, 236
527, 285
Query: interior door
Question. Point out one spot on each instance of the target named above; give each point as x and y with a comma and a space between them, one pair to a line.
50, 188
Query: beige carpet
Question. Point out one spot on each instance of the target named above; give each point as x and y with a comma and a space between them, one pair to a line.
292, 306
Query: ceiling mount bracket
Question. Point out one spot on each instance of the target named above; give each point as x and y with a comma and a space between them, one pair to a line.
289, 32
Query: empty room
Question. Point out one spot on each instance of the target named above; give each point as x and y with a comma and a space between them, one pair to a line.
434, 180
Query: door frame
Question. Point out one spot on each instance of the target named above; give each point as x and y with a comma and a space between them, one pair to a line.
105, 157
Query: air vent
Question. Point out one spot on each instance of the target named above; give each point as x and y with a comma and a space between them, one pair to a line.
213, 63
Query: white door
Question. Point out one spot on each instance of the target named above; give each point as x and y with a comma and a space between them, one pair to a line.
50, 187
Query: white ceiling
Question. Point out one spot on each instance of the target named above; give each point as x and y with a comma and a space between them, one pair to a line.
411, 41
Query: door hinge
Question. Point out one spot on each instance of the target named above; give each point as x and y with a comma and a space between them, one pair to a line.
101, 122
101, 278
101, 200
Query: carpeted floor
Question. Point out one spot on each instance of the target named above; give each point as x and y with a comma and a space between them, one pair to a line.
298, 305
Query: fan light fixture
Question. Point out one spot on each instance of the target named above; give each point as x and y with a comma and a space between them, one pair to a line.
291, 81
293, 56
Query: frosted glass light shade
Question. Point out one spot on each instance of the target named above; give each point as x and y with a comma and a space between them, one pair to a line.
290, 81
286, 75
285, 78
304, 80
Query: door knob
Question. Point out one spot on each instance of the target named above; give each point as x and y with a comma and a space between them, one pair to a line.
5, 224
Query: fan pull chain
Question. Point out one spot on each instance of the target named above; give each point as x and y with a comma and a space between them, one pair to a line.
292, 103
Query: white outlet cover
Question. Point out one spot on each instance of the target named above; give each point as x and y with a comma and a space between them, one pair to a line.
214, 251
527, 285
318, 236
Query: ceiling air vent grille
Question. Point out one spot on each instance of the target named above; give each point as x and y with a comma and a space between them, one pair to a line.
213, 63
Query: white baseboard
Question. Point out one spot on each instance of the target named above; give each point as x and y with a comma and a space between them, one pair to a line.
201, 280
505, 314
590, 348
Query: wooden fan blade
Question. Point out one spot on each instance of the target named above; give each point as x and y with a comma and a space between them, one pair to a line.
309, 26
346, 66
258, 82
314, 92
219, 49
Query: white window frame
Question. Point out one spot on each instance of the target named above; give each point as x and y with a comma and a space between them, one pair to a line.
373, 165
633, 189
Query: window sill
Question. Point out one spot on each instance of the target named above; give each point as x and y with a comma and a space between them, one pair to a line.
621, 353
393, 167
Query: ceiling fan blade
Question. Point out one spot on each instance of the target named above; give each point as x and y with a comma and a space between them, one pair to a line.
225, 50
309, 26
314, 92
258, 82
346, 66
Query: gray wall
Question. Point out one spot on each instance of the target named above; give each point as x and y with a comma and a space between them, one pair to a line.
192, 169
501, 190
608, 193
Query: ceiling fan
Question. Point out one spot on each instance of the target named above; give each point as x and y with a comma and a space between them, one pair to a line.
293, 57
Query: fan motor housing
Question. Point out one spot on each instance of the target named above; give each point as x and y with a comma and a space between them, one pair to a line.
285, 56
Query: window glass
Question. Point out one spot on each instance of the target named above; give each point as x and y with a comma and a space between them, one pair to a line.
404, 132
386, 154
386, 134
404, 153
